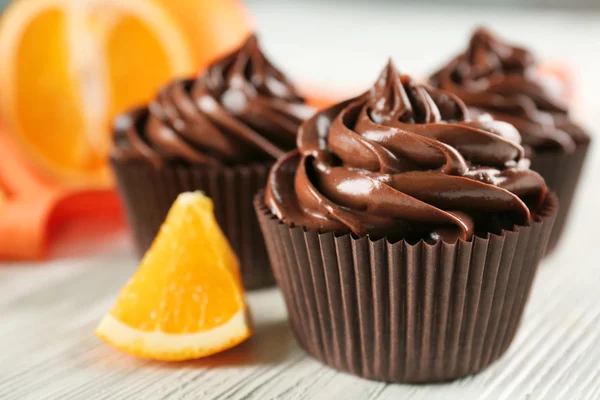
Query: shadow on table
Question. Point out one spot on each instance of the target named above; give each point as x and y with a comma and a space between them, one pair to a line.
271, 343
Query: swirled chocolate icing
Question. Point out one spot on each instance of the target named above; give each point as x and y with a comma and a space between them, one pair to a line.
241, 110
494, 77
404, 161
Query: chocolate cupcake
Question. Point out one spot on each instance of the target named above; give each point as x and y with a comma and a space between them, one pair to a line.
219, 133
494, 77
405, 235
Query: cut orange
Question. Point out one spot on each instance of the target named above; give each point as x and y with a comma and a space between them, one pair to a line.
68, 66
186, 300
213, 27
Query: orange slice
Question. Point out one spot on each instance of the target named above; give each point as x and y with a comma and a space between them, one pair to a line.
186, 299
68, 66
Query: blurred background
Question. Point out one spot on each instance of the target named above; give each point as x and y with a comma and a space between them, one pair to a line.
519, 4
330, 49
500, 3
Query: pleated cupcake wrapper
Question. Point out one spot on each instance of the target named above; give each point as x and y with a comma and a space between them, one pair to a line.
148, 193
561, 172
401, 312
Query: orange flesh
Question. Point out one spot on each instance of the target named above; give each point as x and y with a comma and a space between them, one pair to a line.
214, 28
69, 67
187, 282
134, 79
48, 101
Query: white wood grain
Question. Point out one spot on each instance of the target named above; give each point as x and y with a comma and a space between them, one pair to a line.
48, 311
49, 351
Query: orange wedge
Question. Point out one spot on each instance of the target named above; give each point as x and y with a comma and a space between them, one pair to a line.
68, 66
186, 300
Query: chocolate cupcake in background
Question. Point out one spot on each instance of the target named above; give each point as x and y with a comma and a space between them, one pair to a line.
219, 132
494, 77
405, 235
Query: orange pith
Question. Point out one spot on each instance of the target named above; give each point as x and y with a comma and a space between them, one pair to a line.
187, 286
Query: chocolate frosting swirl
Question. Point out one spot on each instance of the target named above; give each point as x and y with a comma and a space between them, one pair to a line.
404, 161
494, 77
241, 110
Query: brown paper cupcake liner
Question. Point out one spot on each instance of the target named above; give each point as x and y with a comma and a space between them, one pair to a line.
398, 312
561, 172
148, 193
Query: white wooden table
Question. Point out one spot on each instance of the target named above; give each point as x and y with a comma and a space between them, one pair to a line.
48, 311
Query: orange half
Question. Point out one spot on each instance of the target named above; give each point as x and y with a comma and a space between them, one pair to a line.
68, 67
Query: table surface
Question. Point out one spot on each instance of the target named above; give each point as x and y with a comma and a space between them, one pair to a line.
49, 311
